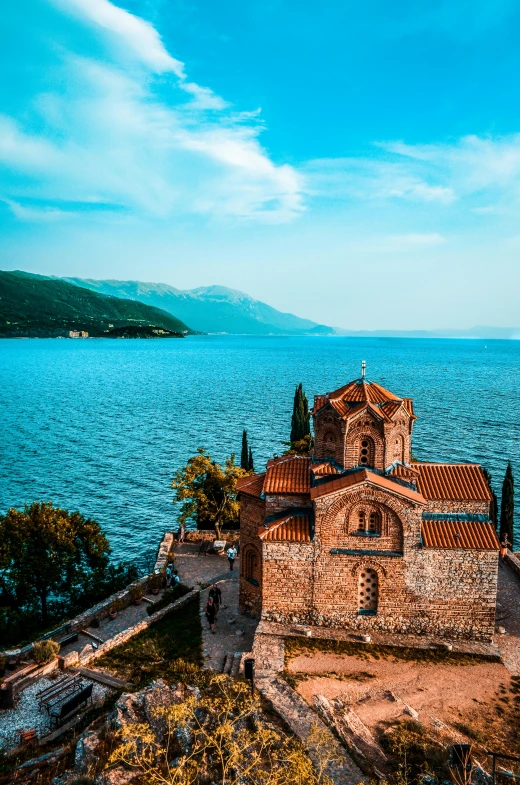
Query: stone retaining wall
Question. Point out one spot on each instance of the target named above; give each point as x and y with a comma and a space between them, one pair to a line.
513, 561
122, 637
208, 535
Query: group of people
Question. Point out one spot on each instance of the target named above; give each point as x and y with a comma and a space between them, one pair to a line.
213, 606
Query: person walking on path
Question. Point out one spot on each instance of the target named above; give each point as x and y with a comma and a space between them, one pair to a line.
216, 595
231, 554
182, 533
504, 545
210, 615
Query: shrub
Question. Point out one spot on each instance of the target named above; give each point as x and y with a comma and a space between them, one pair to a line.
45, 651
156, 580
136, 592
169, 596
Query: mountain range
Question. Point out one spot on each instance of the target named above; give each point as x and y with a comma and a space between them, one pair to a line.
39, 306
210, 309
45, 305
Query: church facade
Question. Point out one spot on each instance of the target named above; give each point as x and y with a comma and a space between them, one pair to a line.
360, 536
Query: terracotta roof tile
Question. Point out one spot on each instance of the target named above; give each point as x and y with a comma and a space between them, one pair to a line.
460, 534
252, 485
290, 474
320, 469
405, 471
319, 402
453, 481
356, 396
408, 405
363, 475
363, 391
292, 528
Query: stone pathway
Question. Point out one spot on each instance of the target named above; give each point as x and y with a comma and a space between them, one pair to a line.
234, 632
508, 616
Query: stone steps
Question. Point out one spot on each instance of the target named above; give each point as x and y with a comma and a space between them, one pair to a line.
231, 663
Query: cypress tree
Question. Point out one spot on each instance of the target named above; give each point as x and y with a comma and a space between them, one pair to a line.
507, 505
250, 464
494, 504
244, 455
300, 421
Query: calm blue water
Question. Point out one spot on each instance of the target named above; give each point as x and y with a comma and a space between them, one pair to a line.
101, 425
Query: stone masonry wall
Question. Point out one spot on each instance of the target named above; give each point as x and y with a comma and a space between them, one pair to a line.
288, 579
440, 592
470, 507
252, 515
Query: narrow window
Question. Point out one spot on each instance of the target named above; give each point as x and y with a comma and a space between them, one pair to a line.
368, 592
366, 452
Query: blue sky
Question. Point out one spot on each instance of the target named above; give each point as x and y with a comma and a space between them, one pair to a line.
356, 163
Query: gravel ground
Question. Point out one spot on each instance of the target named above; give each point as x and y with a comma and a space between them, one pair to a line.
26, 714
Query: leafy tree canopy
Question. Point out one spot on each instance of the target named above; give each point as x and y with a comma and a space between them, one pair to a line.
52, 563
206, 492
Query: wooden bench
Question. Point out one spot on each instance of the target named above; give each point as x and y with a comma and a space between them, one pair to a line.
54, 694
64, 711
203, 549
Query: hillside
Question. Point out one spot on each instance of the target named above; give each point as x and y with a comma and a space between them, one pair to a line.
37, 306
210, 309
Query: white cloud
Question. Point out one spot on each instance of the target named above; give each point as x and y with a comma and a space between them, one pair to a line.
140, 36
116, 143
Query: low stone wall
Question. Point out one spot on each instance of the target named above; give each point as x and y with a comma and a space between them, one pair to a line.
164, 551
513, 561
208, 535
117, 640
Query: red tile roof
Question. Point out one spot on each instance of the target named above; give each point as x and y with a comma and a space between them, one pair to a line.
292, 528
252, 485
319, 469
453, 481
363, 391
405, 472
356, 396
363, 475
460, 534
289, 474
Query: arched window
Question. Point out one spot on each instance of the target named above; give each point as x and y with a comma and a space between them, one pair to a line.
368, 592
366, 451
329, 442
399, 451
251, 567
369, 521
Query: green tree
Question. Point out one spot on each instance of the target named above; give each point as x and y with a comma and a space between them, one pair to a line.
507, 506
244, 455
207, 492
493, 514
48, 552
250, 462
300, 421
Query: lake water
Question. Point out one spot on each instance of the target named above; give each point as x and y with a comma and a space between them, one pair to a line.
101, 425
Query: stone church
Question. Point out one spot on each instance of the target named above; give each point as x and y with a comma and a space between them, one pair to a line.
360, 536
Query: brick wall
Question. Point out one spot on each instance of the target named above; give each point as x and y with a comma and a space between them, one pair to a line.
447, 593
252, 515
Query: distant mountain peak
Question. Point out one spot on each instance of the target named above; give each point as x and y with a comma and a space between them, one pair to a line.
210, 309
